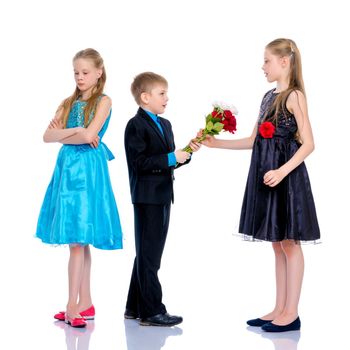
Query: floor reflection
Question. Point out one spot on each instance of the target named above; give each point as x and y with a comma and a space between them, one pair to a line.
77, 338
281, 341
256, 330
147, 338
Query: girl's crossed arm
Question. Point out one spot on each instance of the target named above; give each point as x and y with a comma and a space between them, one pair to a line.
55, 131
79, 135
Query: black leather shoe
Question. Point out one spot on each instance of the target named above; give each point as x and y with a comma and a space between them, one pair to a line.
257, 322
294, 326
130, 315
161, 320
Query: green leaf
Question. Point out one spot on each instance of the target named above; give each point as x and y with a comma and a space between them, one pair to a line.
218, 127
210, 126
207, 118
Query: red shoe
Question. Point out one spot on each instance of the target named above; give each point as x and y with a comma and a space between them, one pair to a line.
88, 314
77, 322
60, 316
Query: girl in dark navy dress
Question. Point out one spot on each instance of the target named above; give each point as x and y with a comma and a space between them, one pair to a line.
278, 204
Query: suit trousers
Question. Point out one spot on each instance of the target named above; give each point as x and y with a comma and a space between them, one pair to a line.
151, 228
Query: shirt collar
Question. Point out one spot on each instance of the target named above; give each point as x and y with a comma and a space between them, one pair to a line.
152, 115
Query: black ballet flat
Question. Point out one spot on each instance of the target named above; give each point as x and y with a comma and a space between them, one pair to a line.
257, 322
270, 327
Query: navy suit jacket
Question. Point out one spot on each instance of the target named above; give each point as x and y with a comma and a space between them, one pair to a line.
150, 177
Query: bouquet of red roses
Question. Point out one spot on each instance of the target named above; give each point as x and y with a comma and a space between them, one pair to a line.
223, 117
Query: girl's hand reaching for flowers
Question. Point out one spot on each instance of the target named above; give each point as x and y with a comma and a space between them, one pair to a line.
195, 146
209, 140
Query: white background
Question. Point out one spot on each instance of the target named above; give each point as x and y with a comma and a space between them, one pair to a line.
207, 50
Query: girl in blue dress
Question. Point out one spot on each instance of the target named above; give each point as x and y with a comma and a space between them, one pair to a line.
79, 207
278, 204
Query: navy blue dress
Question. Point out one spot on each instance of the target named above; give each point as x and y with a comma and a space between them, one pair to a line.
286, 211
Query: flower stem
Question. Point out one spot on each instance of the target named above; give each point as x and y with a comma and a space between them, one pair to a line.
197, 139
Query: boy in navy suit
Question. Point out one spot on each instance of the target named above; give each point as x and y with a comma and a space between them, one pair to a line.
151, 158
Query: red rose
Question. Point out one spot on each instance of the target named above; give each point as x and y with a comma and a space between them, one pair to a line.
232, 121
228, 114
267, 130
230, 129
214, 114
229, 122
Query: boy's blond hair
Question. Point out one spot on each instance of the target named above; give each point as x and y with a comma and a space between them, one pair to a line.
145, 82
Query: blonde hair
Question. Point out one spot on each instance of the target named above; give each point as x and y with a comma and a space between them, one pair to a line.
95, 57
145, 82
282, 48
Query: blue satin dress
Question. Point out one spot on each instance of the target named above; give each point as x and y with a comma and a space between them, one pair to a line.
79, 206
286, 211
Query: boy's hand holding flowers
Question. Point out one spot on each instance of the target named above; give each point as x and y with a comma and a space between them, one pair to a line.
182, 156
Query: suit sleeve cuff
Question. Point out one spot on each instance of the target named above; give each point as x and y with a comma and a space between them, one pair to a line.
171, 159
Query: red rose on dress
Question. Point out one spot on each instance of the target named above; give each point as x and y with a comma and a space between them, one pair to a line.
267, 130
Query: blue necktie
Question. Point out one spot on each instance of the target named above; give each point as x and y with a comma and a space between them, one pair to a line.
160, 126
